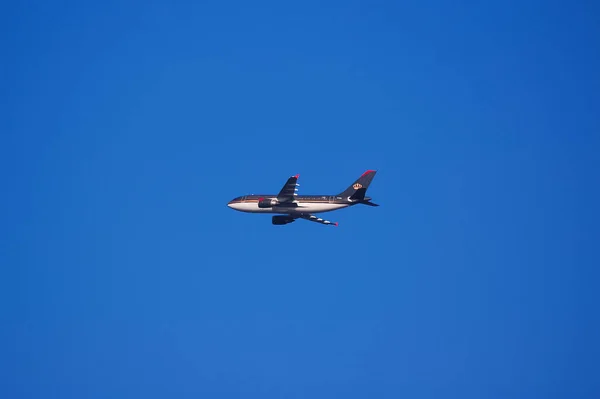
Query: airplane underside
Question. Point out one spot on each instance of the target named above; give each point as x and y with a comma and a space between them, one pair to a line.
299, 208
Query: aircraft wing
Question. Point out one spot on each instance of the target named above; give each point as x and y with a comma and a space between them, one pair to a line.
288, 192
316, 219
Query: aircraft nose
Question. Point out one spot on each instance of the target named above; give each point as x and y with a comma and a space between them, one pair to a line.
231, 204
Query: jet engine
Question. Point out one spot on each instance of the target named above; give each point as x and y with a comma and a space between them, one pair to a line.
267, 202
280, 219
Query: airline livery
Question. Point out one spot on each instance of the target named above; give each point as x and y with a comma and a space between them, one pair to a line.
291, 206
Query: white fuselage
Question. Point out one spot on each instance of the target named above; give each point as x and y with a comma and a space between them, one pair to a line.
303, 207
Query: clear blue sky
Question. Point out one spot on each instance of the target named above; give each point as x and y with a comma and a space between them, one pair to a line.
126, 127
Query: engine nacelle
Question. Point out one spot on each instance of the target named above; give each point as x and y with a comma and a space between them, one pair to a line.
267, 202
280, 219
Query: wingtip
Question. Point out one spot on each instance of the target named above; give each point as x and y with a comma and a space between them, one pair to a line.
336, 224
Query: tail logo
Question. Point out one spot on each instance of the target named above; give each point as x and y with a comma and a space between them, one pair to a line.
356, 186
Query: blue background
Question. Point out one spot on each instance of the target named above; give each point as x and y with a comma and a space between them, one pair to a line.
128, 126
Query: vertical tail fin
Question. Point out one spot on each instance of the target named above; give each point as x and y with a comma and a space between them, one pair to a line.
362, 183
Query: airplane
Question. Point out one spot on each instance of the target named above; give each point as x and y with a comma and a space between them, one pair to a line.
290, 206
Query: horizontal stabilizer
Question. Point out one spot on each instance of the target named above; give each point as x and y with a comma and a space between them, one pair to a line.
369, 203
